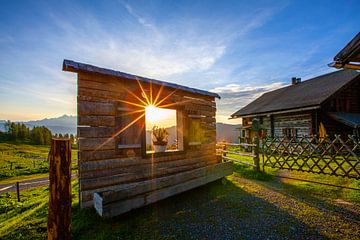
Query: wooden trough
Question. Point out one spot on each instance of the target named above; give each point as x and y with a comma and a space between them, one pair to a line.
116, 172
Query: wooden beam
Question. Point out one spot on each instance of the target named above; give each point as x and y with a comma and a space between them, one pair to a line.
108, 205
59, 214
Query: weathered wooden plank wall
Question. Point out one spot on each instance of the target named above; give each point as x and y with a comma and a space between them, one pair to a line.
110, 156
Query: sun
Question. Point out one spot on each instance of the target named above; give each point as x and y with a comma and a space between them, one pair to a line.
159, 116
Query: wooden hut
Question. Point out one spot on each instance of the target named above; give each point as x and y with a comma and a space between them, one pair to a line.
116, 172
330, 102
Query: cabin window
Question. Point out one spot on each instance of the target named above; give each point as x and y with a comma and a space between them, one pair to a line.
195, 131
243, 133
290, 132
163, 130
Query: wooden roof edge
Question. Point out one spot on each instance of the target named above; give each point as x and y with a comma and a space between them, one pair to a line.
348, 50
289, 110
72, 66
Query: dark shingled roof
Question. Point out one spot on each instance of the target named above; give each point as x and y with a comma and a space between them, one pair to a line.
73, 66
310, 93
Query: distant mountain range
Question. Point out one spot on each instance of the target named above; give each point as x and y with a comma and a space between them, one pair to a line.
67, 124
63, 124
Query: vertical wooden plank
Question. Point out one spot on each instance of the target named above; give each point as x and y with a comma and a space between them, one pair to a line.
18, 191
256, 151
59, 213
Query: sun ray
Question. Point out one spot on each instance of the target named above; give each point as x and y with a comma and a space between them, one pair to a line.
119, 132
143, 92
158, 95
162, 100
173, 104
131, 103
132, 112
142, 101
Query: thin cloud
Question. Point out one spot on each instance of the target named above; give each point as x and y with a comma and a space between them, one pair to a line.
140, 19
235, 96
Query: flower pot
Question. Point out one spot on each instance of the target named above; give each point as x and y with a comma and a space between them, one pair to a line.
159, 148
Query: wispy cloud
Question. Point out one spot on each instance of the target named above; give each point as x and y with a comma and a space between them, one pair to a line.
140, 19
235, 96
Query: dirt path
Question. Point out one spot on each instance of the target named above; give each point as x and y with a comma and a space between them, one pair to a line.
37, 182
334, 219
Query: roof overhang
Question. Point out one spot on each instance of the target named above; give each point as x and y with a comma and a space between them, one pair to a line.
302, 109
349, 56
72, 66
349, 119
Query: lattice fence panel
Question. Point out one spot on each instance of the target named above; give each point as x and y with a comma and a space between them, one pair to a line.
335, 156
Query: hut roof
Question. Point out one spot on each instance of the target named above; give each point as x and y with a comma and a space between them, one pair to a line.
348, 55
304, 95
72, 66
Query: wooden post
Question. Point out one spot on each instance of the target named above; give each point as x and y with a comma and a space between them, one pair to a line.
256, 153
18, 191
59, 214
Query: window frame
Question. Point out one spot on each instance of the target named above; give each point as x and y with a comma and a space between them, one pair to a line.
182, 125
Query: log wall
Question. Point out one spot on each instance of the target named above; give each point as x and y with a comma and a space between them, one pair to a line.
111, 132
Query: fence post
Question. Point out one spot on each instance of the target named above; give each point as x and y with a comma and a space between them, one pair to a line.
59, 213
18, 191
256, 153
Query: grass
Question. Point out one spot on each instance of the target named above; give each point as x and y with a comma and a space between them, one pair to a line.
28, 219
20, 161
206, 205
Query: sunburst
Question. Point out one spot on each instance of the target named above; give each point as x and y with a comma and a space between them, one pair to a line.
149, 102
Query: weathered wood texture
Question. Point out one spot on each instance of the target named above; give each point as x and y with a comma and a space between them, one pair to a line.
111, 123
131, 196
59, 214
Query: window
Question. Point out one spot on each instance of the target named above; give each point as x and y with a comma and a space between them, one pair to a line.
290, 132
163, 130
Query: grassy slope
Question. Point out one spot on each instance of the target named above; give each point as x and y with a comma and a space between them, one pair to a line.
28, 219
28, 161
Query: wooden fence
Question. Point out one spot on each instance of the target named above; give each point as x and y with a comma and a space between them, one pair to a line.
336, 156
234, 151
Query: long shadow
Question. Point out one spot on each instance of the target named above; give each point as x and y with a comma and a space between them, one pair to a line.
220, 210
305, 195
299, 193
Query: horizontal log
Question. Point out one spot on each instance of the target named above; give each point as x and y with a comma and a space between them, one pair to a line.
96, 144
127, 146
98, 155
130, 190
87, 194
101, 94
199, 101
120, 207
136, 163
198, 108
95, 108
95, 132
96, 121
100, 85
139, 173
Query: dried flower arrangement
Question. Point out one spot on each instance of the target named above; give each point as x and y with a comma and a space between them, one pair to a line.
160, 136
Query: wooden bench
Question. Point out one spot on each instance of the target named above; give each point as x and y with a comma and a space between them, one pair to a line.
135, 195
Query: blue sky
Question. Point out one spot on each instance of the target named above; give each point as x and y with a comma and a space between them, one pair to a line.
239, 49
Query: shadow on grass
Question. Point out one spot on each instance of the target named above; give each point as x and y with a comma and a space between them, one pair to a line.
220, 210
249, 173
312, 193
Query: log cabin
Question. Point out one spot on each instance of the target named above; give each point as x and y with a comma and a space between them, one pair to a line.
330, 102
117, 173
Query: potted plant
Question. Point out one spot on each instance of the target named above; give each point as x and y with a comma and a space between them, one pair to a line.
160, 138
